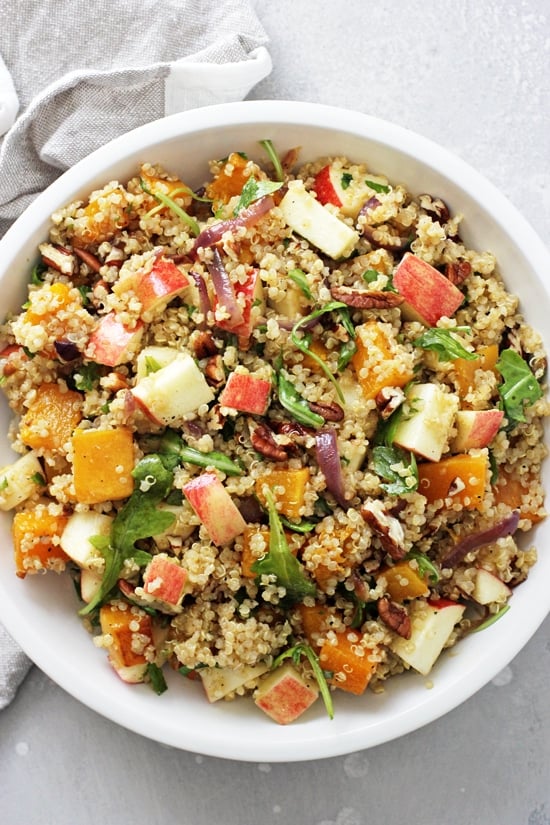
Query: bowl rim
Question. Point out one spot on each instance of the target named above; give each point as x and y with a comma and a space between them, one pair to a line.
278, 112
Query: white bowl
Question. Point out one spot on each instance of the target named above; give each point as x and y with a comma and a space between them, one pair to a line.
40, 612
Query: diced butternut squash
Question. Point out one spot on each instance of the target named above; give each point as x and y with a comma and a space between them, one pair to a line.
462, 477
36, 535
403, 582
289, 489
128, 631
379, 361
315, 621
51, 418
103, 461
349, 661
465, 369
511, 491
47, 301
317, 348
172, 188
229, 181
248, 557
336, 563
106, 213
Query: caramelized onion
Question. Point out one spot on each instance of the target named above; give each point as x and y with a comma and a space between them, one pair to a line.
328, 458
246, 217
506, 527
224, 290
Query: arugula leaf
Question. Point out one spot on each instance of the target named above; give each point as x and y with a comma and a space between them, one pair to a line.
492, 619
170, 444
345, 180
443, 342
520, 388
274, 158
300, 280
302, 526
173, 206
347, 351
378, 187
425, 565
297, 406
137, 519
279, 561
253, 190
397, 468
156, 678
295, 653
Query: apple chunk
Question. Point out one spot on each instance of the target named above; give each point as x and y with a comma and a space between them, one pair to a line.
215, 508
475, 429
285, 695
246, 393
427, 421
432, 624
80, 528
489, 589
164, 579
221, 681
336, 185
157, 286
112, 343
428, 294
250, 295
169, 393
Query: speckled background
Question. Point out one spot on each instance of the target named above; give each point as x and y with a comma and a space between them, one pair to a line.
473, 75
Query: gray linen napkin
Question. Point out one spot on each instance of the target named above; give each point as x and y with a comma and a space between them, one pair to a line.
82, 73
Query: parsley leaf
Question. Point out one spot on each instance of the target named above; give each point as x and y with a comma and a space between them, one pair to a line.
345, 180
253, 190
397, 468
444, 343
520, 388
279, 561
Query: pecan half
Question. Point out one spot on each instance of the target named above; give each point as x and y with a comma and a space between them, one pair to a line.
214, 371
388, 400
290, 159
263, 441
58, 257
114, 382
458, 271
388, 529
395, 617
363, 299
383, 240
86, 257
330, 411
203, 344
435, 207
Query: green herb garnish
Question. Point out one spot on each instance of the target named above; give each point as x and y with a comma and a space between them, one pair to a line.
303, 526
520, 388
347, 351
151, 364
87, 377
253, 190
173, 206
444, 343
378, 187
492, 619
370, 276
300, 280
171, 444
138, 519
293, 402
274, 158
397, 467
295, 653
345, 180
37, 274
425, 566
156, 678
38, 479
279, 561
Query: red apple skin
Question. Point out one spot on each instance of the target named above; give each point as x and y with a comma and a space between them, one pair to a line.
110, 343
160, 284
243, 330
165, 580
324, 189
246, 393
287, 699
476, 429
441, 604
215, 508
427, 292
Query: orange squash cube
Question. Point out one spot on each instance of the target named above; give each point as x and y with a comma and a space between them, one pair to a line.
404, 582
289, 489
465, 369
462, 477
349, 662
378, 361
36, 535
103, 461
229, 181
130, 634
51, 418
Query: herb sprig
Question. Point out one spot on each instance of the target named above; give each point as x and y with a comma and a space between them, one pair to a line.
295, 653
520, 388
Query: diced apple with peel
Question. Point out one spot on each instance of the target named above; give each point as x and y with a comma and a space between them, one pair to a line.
475, 429
127, 634
79, 529
112, 343
246, 393
20, 480
151, 359
432, 624
159, 285
215, 508
90, 582
489, 589
165, 580
306, 216
427, 420
335, 185
428, 294
168, 394
284, 695
219, 682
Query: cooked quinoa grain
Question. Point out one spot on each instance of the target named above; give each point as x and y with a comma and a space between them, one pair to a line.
286, 436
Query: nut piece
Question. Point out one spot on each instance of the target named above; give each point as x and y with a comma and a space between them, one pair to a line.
388, 529
436, 208
203, 344
58, 258
388, 400
363, 299
263, 441
214, 371
458, 271
395, 617
330, 412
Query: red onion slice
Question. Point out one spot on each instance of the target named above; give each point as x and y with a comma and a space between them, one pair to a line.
506, 527
328, 458
204, 300
246, 217
224, 290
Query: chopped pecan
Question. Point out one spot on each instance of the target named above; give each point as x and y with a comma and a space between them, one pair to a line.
458, 271
263, 441
395, 617
214, 371
388, 529
90, 260
203, 344
435, 207
58, 257
292, 428
539, 365
114, 382
384, 240
330, 411
290, 159
388, 400
365, 299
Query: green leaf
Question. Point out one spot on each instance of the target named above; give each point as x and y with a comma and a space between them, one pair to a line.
253, 190
86, 377
520, 388
156, 678
293, 402
347, 351
295, 653
377, 187
279, 561
345, 180
173, 206
303, 526
151, 364
171, 443
396, 467
274, 158
492, 619
300, 280
370, 276
444, 343
425, 566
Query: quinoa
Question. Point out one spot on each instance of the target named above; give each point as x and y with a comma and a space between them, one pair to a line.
269, 451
